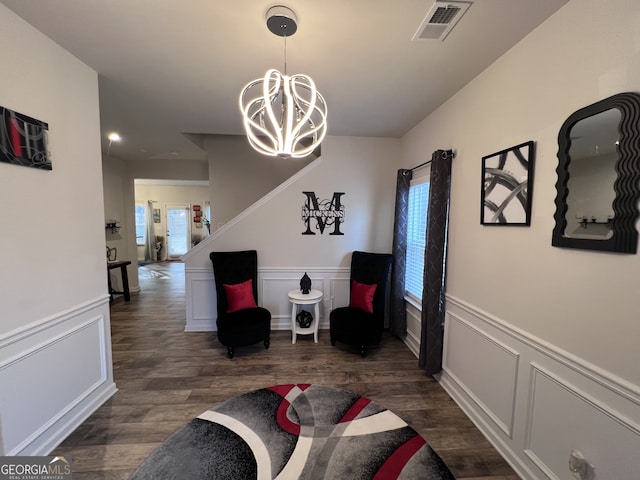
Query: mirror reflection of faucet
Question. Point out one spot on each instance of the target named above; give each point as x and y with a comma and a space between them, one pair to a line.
585, 221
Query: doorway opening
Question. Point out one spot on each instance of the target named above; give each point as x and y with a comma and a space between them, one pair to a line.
178, 230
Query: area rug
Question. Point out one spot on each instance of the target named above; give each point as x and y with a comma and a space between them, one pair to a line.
295, 432
147, 272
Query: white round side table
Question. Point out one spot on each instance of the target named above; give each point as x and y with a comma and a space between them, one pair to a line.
296, 297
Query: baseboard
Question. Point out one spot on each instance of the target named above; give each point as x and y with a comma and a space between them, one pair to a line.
201, 325
470, 408
45, 441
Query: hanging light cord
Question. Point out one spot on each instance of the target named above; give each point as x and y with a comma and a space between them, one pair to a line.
285, 54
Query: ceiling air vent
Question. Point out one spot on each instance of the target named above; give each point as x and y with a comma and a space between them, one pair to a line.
440, 20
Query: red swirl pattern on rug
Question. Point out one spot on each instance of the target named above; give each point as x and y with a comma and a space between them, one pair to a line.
295, 432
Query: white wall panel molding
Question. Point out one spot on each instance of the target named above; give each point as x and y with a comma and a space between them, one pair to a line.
339, 291
608, 380
55, 373
591, 423
487, 361
503, 444
200, 291
491, 383
274, 283
413, 343
414, 329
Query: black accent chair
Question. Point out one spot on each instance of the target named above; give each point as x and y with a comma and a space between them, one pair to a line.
353, 325
245, 326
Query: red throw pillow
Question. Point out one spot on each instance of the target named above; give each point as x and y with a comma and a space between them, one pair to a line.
240, 296
362, 296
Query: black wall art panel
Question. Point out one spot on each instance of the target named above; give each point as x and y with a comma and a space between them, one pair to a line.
23, 140
507, 182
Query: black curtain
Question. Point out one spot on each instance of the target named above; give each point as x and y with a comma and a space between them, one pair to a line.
433, 301
398, 313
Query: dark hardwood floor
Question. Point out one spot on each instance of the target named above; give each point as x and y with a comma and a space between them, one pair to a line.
166, 377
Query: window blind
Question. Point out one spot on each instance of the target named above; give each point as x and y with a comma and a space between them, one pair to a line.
416, 229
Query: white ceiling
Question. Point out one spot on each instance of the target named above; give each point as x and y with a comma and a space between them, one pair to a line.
170, 67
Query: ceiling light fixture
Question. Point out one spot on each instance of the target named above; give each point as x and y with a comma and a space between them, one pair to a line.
113, 137
284, 116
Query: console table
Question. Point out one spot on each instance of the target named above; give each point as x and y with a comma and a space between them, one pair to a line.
296, 297
125, 279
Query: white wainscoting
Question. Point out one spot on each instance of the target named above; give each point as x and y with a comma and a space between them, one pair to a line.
535, 402
53, 375
414, 328
273, 286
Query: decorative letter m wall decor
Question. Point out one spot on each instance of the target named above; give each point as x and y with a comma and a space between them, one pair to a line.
23, 140
324, 212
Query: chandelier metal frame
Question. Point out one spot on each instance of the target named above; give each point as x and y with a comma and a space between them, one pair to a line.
283, 116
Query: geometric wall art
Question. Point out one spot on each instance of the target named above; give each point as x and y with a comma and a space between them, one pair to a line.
23, 140
507, 184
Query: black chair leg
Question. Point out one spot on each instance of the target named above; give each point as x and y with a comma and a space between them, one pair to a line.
230, 352
333, 342
363, 351
267, 342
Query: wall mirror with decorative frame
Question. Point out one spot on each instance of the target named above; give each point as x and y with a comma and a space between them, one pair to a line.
598, 184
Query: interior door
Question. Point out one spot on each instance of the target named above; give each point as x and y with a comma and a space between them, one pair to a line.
178, 230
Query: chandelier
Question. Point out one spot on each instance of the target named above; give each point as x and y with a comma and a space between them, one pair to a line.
283, 116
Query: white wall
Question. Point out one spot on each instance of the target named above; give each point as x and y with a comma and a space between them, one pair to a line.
239, 176
167, 169
365, 170
540, 337
54, 326
115, 196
